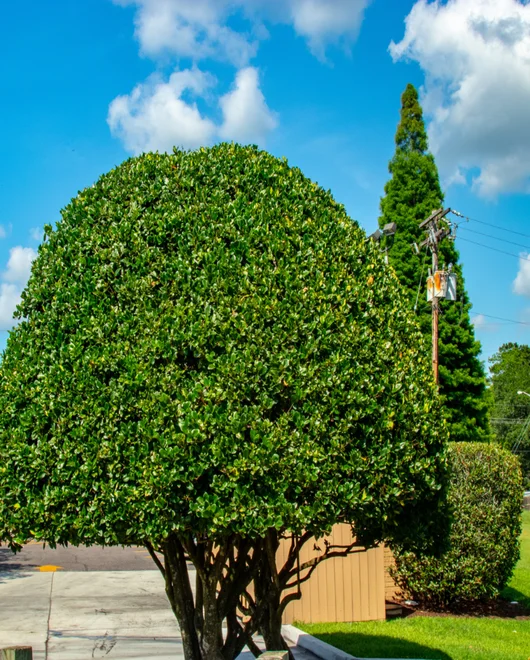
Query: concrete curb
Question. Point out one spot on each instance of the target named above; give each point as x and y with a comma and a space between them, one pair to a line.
313, 645
317, 647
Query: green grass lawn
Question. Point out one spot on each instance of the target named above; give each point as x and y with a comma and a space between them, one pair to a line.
442, 638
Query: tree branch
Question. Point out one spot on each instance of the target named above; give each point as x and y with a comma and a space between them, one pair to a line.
294, 551
311, 564
288, 599
242, 572
155, 558
196, 553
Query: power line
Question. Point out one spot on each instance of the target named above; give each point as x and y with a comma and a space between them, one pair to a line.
495, 325
500, 318
489, 247
510, 231
516, 444
489, 224
496, 238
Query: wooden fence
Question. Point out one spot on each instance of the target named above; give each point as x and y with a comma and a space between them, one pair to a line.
341, 589
391, 590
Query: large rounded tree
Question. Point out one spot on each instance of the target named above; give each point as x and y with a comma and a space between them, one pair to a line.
212, 357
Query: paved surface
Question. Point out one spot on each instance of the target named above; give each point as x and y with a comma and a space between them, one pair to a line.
34, 556
84, 615
80, 615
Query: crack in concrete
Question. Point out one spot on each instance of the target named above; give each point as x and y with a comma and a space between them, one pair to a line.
48, 631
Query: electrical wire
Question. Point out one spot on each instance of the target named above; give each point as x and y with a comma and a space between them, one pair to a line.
495, 325
511, 254
506, 420
489, 247
500, 318
496, 238
490, 224
516, 444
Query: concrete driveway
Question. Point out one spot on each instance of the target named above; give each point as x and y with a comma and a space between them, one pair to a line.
119, 615
79, 616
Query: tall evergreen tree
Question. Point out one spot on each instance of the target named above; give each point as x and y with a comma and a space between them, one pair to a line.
411, 194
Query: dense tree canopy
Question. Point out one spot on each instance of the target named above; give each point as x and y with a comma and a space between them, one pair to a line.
411, 194
210, 354
510, 411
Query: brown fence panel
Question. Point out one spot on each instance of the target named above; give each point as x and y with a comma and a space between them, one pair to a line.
341, 589
391, 589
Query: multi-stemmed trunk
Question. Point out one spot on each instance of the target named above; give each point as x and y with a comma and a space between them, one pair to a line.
223, 573
238, 585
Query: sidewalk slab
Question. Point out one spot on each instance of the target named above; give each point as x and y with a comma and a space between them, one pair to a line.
24, 610
114, 647
109, 584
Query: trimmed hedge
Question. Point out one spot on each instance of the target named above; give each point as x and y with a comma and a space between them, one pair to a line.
209, 345
485, 497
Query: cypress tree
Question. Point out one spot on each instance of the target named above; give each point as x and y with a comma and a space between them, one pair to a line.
411, 194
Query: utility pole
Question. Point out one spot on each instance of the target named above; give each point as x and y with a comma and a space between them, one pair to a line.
434, 235
435, 311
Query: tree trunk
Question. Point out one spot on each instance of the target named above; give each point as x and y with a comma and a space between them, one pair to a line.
180, 596
268, 589
212, 634
272, 625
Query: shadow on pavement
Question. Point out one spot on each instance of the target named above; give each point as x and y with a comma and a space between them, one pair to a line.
11, 567
11, 561
379, 646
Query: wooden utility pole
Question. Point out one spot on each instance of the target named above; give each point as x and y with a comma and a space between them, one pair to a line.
434, 236
435, 311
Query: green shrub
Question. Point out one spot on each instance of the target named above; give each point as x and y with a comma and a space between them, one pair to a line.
485, 496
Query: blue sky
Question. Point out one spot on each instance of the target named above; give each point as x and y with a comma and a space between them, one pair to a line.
87, 84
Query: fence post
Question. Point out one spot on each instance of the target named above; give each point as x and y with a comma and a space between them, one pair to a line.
16, 653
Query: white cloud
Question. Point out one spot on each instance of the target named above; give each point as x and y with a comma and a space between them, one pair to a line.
246, 116
521, 284
155, 116
475, 54
199, 28
9, 299
14, 279
190, 28
19, 264
327, 21
159, 114
3, 232
480, 322
36, 233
